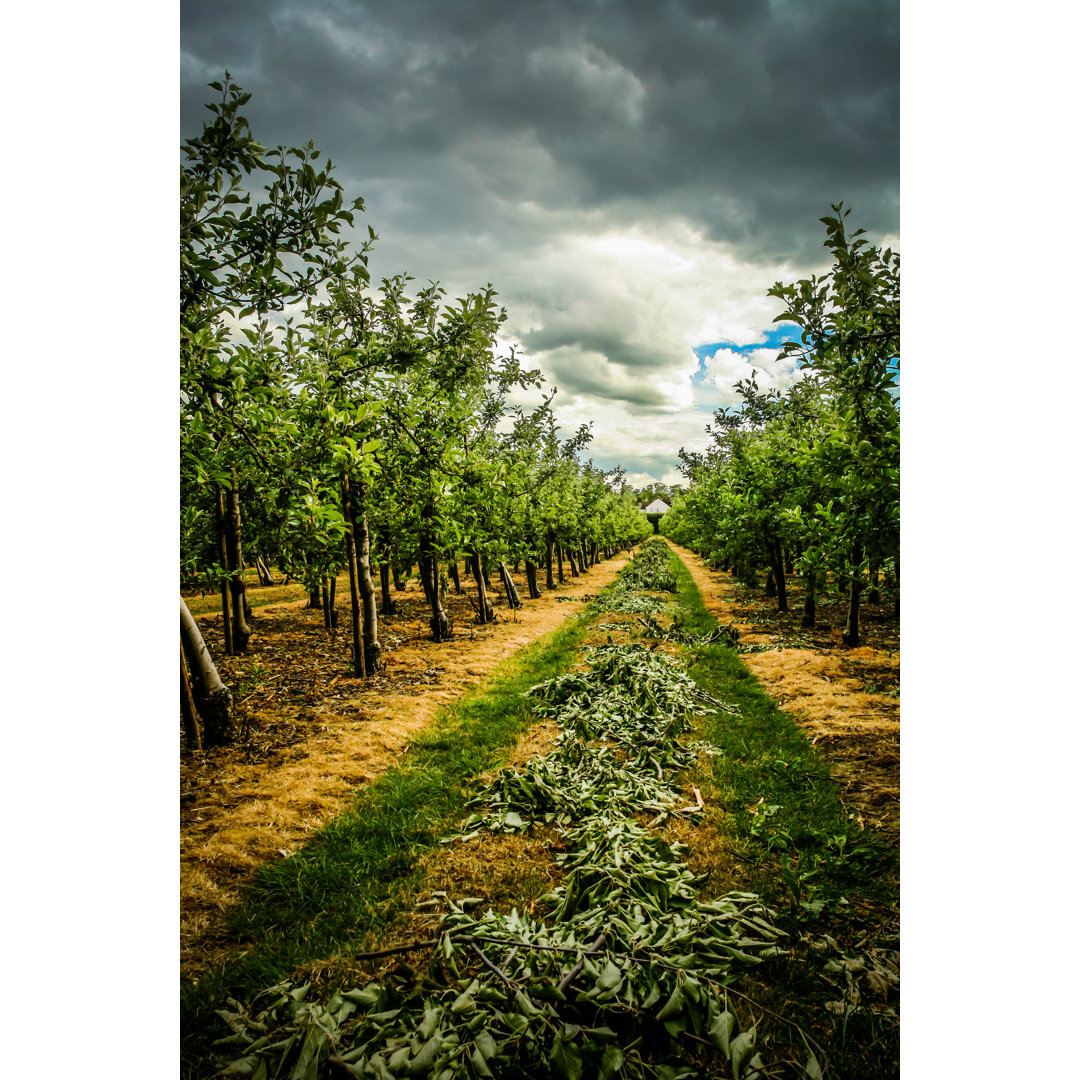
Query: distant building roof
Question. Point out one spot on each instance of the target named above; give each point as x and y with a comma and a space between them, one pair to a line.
657, 506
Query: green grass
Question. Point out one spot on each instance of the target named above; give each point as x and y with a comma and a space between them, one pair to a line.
806, 857
359, 870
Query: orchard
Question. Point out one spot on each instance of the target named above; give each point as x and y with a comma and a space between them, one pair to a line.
329, 425
529, 806
809, 481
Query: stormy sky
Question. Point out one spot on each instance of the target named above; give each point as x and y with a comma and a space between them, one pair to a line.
631, 176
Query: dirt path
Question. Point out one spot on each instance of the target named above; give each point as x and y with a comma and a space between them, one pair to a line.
316, 735
846, 700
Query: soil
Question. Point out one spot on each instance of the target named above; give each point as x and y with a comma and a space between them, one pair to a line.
311, 734
846, 700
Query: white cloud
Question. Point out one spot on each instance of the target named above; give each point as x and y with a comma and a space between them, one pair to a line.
726, 367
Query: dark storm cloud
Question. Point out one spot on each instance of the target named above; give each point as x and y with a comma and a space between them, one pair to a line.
777, 108
515, 143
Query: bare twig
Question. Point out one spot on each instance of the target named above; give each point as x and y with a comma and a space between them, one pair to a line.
467, 938
492, 967
396, 949
573, 973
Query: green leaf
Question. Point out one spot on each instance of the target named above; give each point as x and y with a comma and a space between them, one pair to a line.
566, 1060
674, 1004
479, 1064
812, 1070
611, 1061
742, 1049
486, 1044
610, 978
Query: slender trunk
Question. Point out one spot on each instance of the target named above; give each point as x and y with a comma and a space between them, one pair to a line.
778, 573
484, 612
388, 605
333, 600
452, 569
570, 562
223, 554
530, 577
558, 552
241, 630
789, 562
770, 583
809, 607
265, 577
354, 584
188, 712
486, 570
550, 543
314, 600
396, 570
511, 589
851, 627
372, 645
212, 697
429, 579
326, 603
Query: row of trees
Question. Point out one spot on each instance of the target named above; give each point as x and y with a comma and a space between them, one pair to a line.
369, 432
808, 481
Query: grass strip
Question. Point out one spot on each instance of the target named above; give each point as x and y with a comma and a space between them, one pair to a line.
767, 761
351, 877
782, 831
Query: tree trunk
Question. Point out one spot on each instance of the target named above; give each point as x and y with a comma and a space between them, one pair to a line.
452, 570
851, 627
550, 544
354, 584
770, 583
265, 577
399, 585
484, 612
570, 562
530, 577
333, 603
314, 600
429, 579
511, 589
388, 605
212, 697
809, 602
558, 553
187, 708
223, 554
241, 630
778, 573
789, 562
873, 594
372, 645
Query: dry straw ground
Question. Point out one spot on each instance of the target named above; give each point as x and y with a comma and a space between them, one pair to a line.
847, 700
314, 734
